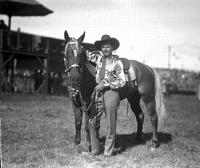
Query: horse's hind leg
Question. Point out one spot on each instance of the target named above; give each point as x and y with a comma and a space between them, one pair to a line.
150, 106
78, 122
135, 106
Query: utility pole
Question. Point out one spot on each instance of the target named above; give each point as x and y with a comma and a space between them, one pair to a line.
169, 56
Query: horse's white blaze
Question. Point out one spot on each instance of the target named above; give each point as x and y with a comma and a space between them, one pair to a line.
74, 45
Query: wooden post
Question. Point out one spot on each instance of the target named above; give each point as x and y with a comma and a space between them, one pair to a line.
9, 22
46, 75
1, 61
198, 90
1, 72
169, 56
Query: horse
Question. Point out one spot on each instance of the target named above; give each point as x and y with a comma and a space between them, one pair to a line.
81, 74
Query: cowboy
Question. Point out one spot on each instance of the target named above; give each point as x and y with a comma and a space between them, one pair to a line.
109, 77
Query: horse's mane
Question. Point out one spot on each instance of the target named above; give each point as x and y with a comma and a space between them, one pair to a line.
87, 80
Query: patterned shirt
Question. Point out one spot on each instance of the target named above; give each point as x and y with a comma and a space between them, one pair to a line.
114, 73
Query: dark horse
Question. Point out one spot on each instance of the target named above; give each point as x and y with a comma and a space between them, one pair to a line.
81, 74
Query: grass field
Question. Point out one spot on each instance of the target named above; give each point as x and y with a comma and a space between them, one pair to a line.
38, 132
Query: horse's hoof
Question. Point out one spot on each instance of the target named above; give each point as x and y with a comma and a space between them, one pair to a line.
77, 141
87, 148
154, 144
152, 149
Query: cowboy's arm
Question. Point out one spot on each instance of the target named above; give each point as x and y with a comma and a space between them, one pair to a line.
101, 84
98, 81
120, 76
93, 56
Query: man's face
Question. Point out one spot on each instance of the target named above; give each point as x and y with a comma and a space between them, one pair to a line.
106, 49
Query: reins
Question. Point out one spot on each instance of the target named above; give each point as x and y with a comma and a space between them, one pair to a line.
76, 92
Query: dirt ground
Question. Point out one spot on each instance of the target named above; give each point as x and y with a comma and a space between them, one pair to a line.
38, 132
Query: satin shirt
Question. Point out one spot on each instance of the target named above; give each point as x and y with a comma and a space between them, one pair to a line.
114, 73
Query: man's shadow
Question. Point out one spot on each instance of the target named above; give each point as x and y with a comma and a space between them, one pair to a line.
125, 141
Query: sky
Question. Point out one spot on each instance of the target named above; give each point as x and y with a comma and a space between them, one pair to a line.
144, 28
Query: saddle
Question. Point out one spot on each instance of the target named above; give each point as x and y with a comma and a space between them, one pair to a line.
128, 69
126, 64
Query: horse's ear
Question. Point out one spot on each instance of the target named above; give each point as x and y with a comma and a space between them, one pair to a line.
81, 38
66, 35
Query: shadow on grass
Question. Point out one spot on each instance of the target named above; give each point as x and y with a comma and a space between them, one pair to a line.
125, 141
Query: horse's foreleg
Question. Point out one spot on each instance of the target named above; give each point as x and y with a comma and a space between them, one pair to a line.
88, 142
154, 121
135, 106
78, 122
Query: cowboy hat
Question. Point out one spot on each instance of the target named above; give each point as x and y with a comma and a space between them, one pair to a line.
106, 39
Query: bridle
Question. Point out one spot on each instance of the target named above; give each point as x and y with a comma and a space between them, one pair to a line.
76, 96
72, 66
75, 93
72, 42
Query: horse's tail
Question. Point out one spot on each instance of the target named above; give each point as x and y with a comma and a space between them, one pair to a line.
159, 100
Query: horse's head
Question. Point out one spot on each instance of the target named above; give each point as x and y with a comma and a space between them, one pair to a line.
73, 58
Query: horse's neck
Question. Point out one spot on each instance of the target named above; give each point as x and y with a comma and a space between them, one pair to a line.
88, 80
91, 68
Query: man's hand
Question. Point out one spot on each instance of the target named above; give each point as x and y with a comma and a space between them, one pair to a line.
100, 87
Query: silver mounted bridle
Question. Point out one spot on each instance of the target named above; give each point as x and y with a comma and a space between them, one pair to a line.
73, 91
75, 94
72, 42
